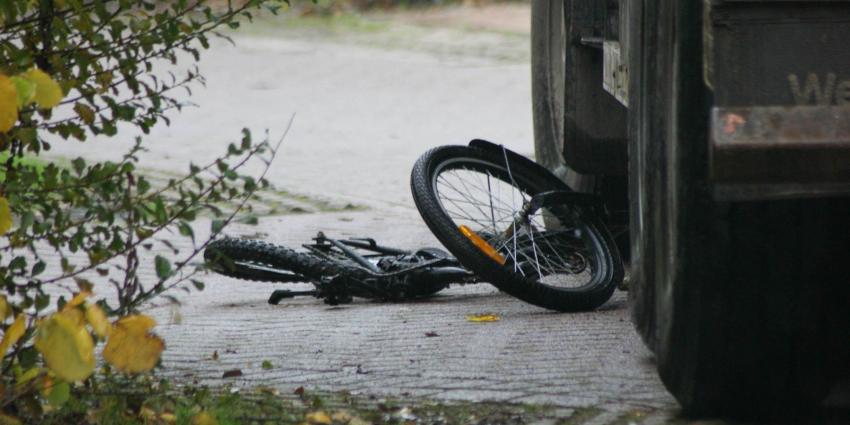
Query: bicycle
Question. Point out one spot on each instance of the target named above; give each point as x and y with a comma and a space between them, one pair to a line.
339, 269
517, 226
548, 246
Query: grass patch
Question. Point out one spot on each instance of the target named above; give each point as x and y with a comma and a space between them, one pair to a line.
580, 416
112, 399
385, 30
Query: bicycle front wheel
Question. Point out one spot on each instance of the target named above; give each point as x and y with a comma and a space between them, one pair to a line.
475, 201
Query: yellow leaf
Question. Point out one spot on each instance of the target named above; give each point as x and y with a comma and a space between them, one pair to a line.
75, 315
47, 92
319, 418
5, 216
85, 113
8, 104
97, 319
66, 346
341, 416
204, 418
131, 348
13, 334
27, 376
9, 420
479, 318
5, 311
168, 418
78, 299
137, 323
147, 414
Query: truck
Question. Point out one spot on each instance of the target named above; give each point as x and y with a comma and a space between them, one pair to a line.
718, 134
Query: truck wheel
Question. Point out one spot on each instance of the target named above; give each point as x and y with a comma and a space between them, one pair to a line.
548, 72
579, 129
743, 303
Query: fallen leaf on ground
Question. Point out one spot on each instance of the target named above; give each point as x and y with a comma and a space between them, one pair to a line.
431, 334
267, 365
204, 418
299, 391
481, 318
319, 418
233, 373
341, 416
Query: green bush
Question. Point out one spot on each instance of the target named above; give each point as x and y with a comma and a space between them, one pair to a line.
70, 69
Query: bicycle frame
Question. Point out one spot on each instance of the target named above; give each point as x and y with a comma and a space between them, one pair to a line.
390, 272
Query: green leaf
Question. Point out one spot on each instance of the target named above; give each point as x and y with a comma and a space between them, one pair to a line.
186, 230
18, 263
59, 394
216, 226
38, 268
163, 267
267, 365
249, 219
197, 284
25, 89
42, 301
79, 165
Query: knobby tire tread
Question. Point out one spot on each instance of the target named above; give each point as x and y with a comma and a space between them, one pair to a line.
287, 260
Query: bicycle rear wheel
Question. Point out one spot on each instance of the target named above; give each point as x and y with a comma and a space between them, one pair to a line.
261, 261
561, 257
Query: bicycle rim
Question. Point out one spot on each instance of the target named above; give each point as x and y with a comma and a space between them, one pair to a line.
550, 246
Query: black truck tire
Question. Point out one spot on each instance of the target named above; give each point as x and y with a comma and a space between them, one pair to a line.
743, 303
579, 129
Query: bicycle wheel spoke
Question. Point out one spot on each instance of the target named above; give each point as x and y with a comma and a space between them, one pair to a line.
478, 205
474, 174
487, 199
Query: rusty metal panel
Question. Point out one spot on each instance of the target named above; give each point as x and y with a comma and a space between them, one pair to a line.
781, 144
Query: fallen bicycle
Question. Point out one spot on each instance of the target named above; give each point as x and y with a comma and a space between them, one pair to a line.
507, 221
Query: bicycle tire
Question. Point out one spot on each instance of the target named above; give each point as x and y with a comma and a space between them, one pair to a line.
227, 256
530, 179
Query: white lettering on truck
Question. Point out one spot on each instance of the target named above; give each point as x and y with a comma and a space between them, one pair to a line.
813, 90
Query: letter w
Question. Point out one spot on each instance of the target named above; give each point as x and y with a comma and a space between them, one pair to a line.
822, 95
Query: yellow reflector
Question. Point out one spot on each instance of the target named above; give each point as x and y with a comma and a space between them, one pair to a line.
485, 247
